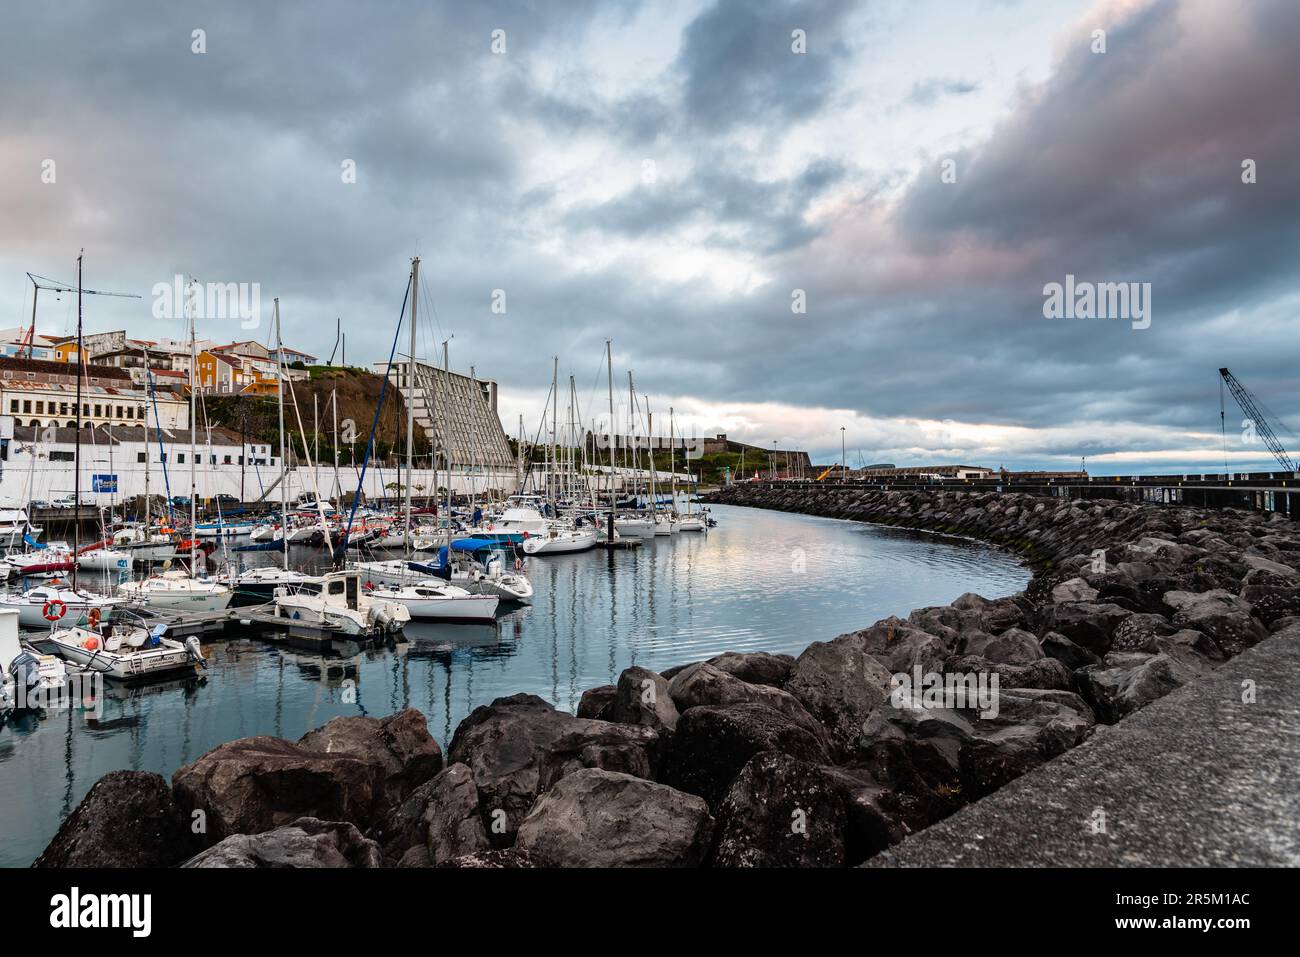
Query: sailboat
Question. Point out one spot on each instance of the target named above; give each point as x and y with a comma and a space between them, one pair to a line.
429, 599
176, 588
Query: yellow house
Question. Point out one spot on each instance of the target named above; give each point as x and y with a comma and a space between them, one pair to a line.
66, 352
220, 373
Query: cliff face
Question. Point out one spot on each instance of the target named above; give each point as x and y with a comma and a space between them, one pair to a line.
357, 393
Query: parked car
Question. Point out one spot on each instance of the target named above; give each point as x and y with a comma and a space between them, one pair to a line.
180, 501
39, 503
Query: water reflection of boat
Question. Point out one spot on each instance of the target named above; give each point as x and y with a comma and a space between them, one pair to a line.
427, 635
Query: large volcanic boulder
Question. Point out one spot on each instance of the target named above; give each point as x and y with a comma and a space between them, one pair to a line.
754, 667
1012, 647
899, 645
519, 746
1127, 681
642, 697
504, 743
400, 744
839, 686
1056, 645
126, 819
629, 749
703, 684
1043, 673
307, 842
782, 812
1031, 726
452, 823
711, 745
1089, 624
1221, 615
595, 701
595, 818
1272, 597
441, 818
256, 784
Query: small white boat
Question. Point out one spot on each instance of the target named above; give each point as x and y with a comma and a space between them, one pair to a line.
636, 526
144, 544
111, 560
556, 541
124, 650
223, 529
337, 602
29, 679
690, 523
436, 600
177, 589
35, 604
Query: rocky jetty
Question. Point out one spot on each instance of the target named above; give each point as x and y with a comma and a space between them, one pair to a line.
824, 759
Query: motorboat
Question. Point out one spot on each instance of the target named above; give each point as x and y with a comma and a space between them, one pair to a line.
123, 650
39, 606
177, 589
437, 600
15, 526
339, 603
28, 677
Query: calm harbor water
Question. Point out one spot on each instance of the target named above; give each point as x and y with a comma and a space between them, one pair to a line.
761, 581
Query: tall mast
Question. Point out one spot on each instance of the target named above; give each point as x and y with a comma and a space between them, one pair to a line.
76, 469
555, 408
284, 483
631, 427
609, 370
410, 400
672, 463
650, 444
446, 435
194, 481
148, 379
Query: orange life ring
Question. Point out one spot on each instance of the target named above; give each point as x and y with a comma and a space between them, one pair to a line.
93, 617
48, 610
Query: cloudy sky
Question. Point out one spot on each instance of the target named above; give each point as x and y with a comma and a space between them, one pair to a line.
676, 177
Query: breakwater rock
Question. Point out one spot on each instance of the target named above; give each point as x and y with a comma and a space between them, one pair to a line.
824, 759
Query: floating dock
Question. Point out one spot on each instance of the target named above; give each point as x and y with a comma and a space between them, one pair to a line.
266, 625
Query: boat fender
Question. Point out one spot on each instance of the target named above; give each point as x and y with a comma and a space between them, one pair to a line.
519, 564
525, 534
92, 618
91, 643
54, 609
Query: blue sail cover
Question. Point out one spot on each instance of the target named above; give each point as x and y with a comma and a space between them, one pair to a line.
473, 544
33, 543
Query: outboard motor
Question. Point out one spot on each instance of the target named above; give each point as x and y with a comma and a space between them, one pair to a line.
195, 649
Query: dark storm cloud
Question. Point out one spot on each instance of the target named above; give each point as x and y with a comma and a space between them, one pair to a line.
739, 67
770, 215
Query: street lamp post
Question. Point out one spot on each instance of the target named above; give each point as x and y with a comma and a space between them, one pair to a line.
844, 465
